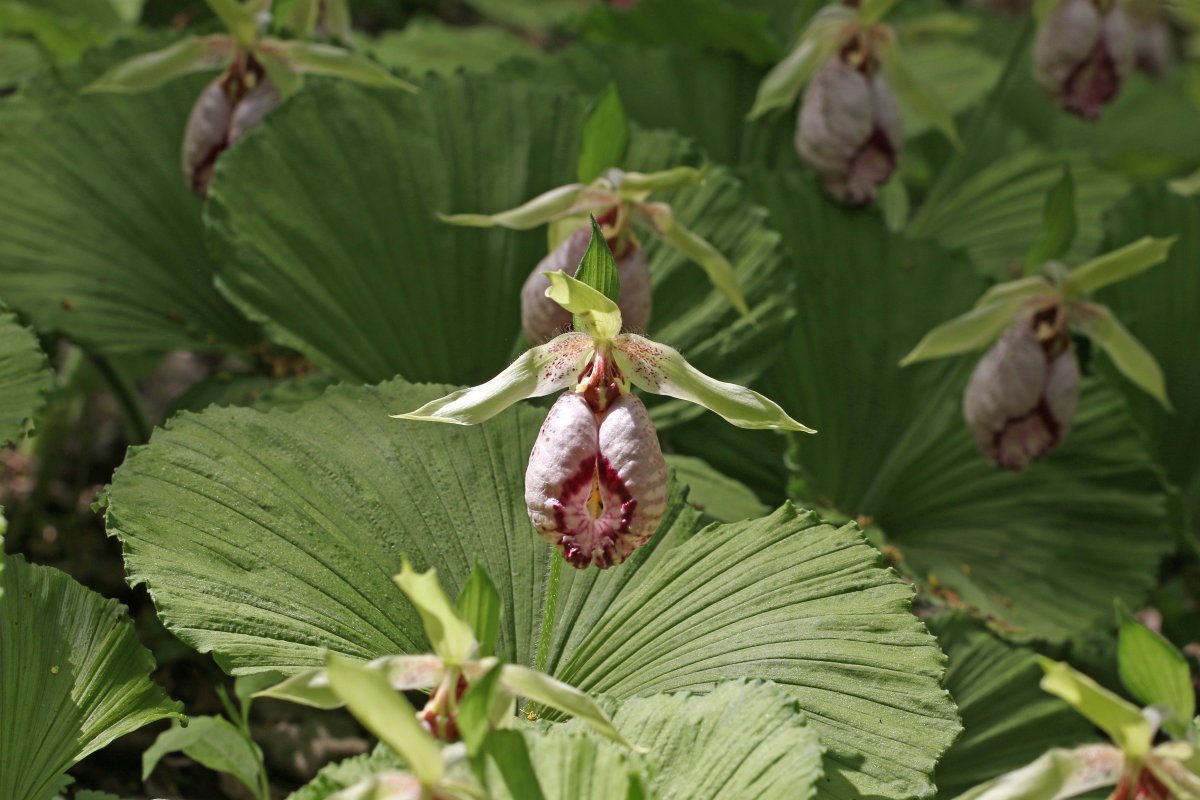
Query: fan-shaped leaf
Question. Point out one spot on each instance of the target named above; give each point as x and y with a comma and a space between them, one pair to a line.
1040, 552
270, 536
743, 739
24, 377
133, 273
326, 222
73, 677
1159, 308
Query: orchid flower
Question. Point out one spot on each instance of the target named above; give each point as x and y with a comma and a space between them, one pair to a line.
596, 483
1023, 394
259, 72
621, 200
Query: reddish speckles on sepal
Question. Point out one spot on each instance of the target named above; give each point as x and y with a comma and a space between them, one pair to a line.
596, 486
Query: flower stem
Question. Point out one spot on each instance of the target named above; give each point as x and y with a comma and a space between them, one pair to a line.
548, 613
126, 397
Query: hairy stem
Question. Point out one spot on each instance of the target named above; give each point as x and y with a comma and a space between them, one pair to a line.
548, 613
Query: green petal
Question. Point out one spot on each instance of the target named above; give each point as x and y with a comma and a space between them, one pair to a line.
536, 372
1120, 719
917, 94
660, 369
1155, 672
1130, 260
1059, 773
404, 673
720, 271
450, 635
547, 691
816, 45
565, 201
150, 70
598, 315
1128, 355
871, 11
384, 712
976, 329
311, 58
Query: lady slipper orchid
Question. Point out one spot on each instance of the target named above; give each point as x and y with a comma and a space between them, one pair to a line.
849, 128
1023, 393
259, 73
1084, 51
596, 485
623, 199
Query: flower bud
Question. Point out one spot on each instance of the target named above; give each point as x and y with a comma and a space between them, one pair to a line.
223, 113
543, 319
1023, 393
596, 486
1082, 54
849, 130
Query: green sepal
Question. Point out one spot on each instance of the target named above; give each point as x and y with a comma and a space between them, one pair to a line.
816, 45
1118, 265
980, 326
659, 369
1120, 719
605, 136
384, 712
238, 19
637, 185
450, 635
917, 95
1155, 672
872, 11
151, 70
1129, 356
1059, 224
595, 314
482, 707
598, 268
479, 605
312, 58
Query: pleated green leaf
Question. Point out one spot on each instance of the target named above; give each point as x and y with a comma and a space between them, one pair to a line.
1008, 721
743, 739
361, 277
1159, 309
24, 376
133, 274
522, 765
995, 214
269, 537
73, 678
1040, 552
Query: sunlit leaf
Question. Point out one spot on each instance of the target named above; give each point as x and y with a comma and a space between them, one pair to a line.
272, 566
605, 137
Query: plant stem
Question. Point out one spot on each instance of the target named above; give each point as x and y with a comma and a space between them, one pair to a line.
126, 397
548, 613
956, 170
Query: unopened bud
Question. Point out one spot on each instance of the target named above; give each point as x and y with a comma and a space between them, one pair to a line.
543, 319
1023, 393
849, 130
223, 113
1082, 54
596, 486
